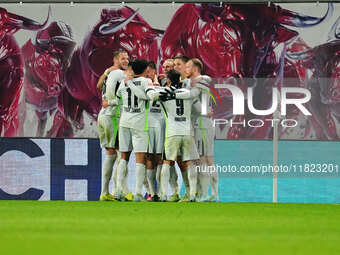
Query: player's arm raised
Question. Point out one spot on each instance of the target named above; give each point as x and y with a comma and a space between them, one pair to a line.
101, 80
110, 97
103, 77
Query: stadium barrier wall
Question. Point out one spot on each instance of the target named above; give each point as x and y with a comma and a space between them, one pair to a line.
69, 169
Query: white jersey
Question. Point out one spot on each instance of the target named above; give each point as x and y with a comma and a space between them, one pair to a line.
155, 116
109, 90
178, 113
200, 120
134, 103
178, 117
186, 83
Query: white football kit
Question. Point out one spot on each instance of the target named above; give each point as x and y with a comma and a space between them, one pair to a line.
108, 117
179, 136
203, 125
156, 124
133, 125
204, 138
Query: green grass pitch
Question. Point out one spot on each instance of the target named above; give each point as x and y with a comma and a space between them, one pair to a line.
36, 227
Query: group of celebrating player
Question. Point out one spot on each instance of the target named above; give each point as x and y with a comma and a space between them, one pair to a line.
159, 117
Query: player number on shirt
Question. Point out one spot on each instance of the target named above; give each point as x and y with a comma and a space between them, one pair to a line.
180, 107
129, 98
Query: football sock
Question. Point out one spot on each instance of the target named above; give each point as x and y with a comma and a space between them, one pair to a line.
214, 181
107, 172
151, 176
146, 184
165, 176
173, 180
192, 174
115, 173
186, 181
125, 182
140, 177
204, 179
121, 175
158, 179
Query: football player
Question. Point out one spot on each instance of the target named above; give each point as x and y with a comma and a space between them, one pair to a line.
179, 141
156, 144
204, 130
108, 117
168, 65
133, 126
156, 136
179, 66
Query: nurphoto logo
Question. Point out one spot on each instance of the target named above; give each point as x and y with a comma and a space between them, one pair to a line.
277, 108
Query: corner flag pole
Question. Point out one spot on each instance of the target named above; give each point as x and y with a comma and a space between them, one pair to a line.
275, 148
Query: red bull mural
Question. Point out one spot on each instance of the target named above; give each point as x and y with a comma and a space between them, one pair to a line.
49, 73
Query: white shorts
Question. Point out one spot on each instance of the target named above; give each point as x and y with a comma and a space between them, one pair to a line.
204, 139
106, 132
132, 139
156, 140
180, 145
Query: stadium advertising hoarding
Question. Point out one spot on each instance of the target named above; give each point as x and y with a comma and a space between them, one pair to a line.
44, 169
52, 169
69, 169
51, 66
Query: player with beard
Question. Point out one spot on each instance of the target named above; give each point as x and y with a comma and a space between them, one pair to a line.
168, 65
204, 131
108, 117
